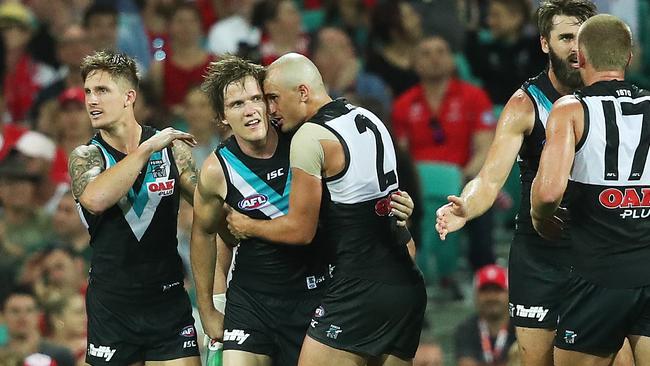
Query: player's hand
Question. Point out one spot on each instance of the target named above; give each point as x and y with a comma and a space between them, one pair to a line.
401, 206
237, 223
551, 228
165, 137
212, 321
451, 217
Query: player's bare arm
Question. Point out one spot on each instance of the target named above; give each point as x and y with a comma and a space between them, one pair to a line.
563, 129
187, 170
208, 220
298, 226
110, 185
516, 121
84, 165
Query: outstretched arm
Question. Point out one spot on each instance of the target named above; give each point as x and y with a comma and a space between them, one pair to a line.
516, 120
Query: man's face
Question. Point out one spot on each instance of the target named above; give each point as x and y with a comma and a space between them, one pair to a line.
198, 111
245, 110
21, 316
66, 217
105, 99
73, 46
563, 50
492, 301
502, 20
433, 59
285, 106
60, 269
17, 193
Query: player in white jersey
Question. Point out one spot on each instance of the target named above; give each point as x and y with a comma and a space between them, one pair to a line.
597, 141
373, 309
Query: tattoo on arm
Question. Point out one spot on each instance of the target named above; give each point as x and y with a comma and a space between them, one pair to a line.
186, 167
84, 165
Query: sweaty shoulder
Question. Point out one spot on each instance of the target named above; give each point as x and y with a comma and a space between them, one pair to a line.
212, 180
306, 151
519, 113
567, 103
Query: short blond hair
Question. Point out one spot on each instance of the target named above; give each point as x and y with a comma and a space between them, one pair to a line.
606, 42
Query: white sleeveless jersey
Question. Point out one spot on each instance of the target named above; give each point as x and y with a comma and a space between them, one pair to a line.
371, 165
613, 153
610, 178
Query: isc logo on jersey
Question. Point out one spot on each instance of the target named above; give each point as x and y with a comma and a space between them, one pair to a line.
635, 206
253, 202
164, 188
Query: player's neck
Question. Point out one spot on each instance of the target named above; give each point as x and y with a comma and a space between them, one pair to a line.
592, 76
124, 136
316, 102
557, 85
263, 149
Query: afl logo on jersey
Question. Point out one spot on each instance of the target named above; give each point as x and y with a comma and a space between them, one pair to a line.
253, 202
188, 331
165, 188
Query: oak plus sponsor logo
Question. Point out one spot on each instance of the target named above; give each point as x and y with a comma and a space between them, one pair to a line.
253, 202
235, 335
635, 204
532, 312
104, 352
164, 188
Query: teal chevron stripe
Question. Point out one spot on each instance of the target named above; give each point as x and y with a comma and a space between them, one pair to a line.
539, 95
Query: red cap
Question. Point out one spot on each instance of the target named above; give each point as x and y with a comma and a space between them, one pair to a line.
491, 274
74, 94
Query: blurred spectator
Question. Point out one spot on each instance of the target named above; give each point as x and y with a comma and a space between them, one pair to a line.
147, 108
508, 52
21, 313
394, 32
353, 17
72, 46
155, 18
199, 116
66, 320
428, 354
24, 228
445, 120
52, 17
226, 35
342, 71
68, 228
72, 124
42, 158
282, 30
100, 22
185, 62
60, 274
24, 75
441, 18
486, 338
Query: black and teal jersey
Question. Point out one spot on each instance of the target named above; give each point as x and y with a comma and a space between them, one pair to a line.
134, 242
542, 94
259, 188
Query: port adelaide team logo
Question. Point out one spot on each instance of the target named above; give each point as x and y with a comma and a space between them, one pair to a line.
253, 202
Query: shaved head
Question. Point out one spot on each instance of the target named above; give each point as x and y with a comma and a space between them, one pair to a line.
293, 69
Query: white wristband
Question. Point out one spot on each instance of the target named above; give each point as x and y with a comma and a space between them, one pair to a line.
219, 301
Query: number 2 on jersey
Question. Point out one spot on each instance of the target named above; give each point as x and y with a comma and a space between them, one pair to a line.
612, 138
385, 180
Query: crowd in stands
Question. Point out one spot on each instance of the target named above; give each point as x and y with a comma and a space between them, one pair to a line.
436, 72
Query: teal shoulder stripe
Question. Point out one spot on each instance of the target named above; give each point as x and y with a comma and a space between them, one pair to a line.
109, 157
540, 97
282, 203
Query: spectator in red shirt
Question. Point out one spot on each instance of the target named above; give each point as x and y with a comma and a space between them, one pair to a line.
443, 119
